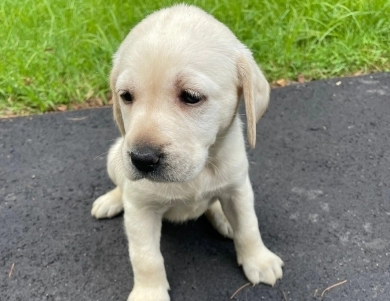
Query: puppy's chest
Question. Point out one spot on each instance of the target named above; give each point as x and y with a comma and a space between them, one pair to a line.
190, 209
185, 201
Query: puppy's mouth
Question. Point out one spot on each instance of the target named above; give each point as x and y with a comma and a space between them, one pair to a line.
156, 175
164, 172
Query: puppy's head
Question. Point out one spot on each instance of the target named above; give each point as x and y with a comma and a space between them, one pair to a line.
176, 81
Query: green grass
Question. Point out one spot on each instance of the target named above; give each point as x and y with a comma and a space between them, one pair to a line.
59, 52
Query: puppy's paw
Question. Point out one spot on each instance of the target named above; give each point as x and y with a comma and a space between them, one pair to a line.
265, 267
149, 294
108, 205
219, 221
222, 225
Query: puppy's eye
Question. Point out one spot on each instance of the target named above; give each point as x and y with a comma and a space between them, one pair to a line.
190, 97
126, 97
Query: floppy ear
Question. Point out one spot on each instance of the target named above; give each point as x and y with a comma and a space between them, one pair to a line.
116, 108
255, 91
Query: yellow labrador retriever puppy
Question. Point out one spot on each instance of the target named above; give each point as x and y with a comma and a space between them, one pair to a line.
177, 80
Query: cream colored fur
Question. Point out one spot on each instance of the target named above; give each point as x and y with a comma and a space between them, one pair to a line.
175, 49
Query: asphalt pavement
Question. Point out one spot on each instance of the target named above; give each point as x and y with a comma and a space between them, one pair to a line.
321, 176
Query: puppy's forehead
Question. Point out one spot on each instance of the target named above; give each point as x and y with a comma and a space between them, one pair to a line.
182, 34
155, 64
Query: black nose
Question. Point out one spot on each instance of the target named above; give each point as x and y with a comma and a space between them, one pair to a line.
145, 158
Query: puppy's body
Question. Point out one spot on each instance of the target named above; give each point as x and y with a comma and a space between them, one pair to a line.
177, 80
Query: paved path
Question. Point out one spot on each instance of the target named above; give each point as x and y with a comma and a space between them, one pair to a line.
321, 175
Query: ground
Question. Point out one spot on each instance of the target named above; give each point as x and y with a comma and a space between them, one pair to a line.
320, 172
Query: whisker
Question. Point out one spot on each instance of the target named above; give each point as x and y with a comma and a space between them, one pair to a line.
101, 155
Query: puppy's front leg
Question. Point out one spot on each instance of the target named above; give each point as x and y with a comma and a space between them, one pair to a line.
259, 263
143, 228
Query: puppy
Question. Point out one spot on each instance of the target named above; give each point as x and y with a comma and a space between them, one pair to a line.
176, 81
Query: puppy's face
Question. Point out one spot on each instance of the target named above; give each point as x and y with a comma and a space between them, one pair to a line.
172, 111
175, 94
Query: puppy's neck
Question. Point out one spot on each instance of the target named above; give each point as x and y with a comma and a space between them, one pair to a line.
227, 143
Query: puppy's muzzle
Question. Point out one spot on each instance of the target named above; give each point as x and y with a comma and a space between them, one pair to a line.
146, 158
